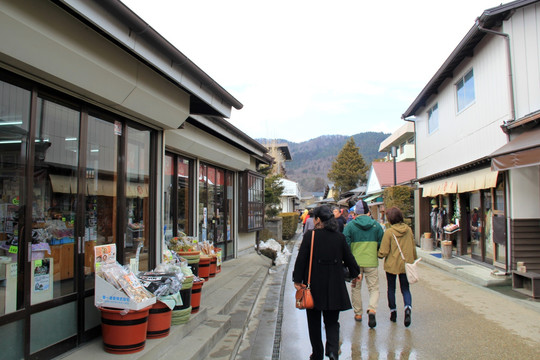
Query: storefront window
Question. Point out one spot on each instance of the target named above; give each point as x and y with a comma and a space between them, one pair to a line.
14, 125
137, 198
203, 199
251, 201
168, 197
476, 223
101, 183
228, 250
499, 225
184, 195
54, 201
488, 223
178, 197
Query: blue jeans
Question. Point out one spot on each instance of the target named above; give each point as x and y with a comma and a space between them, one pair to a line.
403, 284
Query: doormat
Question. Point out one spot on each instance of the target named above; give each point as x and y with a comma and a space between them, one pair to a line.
437, 255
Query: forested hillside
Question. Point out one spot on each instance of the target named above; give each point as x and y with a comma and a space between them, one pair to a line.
312, 159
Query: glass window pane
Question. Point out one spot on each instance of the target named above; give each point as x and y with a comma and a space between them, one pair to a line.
168, 191
184, 195
101, 181
54, 201
14, 124
203, 206
137, 197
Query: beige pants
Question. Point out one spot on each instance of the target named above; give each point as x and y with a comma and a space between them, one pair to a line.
371, 275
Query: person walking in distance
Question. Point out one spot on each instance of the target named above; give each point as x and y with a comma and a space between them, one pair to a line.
330, 296
394, 266
364, 235
340, 219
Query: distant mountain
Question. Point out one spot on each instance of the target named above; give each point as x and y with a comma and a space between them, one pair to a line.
312, 159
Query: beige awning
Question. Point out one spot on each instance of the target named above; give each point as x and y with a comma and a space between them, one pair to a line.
101, 187
471, 181
522, 151
63, 184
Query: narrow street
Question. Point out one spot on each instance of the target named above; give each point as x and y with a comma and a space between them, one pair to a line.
452, 319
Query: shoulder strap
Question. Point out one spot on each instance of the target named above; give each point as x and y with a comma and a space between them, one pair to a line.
399, 247
311, 257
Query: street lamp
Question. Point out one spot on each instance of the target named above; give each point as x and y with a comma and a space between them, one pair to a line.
394, 154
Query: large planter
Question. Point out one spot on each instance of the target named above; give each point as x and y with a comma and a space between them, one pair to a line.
124, 333
196, 293
181, 313
192, 258
159, 321
213, 266
204, 267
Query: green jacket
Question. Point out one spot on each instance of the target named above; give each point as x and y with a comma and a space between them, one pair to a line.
364, 236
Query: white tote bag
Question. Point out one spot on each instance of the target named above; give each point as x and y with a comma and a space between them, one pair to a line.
410, 269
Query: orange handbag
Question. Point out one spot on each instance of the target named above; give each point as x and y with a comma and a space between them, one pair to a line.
304, 300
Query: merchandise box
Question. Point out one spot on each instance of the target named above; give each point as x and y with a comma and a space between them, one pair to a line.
106, 295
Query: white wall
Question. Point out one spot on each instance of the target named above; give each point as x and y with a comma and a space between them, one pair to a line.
61, 52
474, 132
524, 30
525, 190
246, 241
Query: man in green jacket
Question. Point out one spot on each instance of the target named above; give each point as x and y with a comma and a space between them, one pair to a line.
364, 236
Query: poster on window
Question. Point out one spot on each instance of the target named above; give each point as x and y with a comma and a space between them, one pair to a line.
41, 275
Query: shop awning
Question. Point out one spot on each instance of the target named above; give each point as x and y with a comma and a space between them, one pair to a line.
471, 181
101, 187
63, 184
372, 197
522, 151
344, 201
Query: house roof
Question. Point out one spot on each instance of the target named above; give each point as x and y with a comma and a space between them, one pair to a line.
490, 18
405, 171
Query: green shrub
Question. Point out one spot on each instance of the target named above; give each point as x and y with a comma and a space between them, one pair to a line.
290, 223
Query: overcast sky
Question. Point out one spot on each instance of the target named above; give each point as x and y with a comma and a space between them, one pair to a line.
303, 69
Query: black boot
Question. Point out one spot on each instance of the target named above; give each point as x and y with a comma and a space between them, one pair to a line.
407, 320
393, 316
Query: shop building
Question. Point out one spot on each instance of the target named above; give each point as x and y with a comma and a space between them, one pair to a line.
490, 81
108, 134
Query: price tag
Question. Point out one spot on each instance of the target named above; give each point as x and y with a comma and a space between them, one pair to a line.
13, 249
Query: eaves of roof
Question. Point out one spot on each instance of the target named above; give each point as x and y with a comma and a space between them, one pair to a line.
490, 18
224, 130
117, 10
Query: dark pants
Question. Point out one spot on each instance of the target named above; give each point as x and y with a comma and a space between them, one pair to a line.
403, 284
331, 325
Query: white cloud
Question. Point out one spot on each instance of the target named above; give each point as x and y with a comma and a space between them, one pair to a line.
308, 68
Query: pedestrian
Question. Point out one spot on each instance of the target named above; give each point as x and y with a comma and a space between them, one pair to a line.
394, 266
304, 218
340, 219
364, 235
309, 222
330, 252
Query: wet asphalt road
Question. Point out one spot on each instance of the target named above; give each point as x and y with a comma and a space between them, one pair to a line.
451, 319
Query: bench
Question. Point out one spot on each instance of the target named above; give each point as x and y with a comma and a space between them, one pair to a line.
527, 283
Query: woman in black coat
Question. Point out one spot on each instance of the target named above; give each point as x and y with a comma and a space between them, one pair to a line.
328, 288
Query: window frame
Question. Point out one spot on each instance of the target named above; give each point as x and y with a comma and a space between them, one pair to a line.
463, 84
433, 110
251, 202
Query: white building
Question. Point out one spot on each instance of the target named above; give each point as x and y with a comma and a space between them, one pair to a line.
490, 81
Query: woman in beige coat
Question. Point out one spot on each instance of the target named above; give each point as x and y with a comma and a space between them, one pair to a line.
394, 266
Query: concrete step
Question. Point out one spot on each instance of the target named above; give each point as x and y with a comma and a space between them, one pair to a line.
226, 302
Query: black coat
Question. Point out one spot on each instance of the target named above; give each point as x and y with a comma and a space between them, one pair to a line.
330, 251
